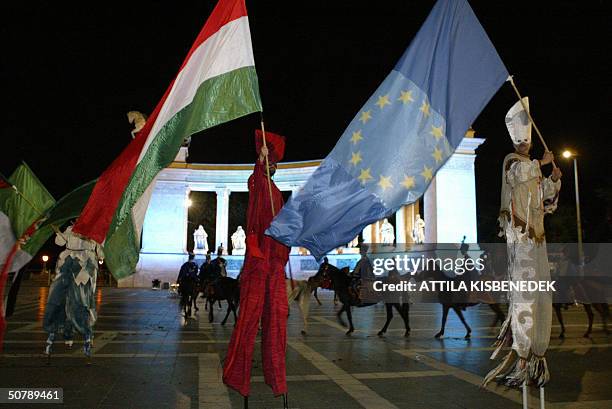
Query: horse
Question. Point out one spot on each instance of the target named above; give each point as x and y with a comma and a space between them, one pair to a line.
341, 282
189, 291
299, 291
445, 298
582, 291
223, 288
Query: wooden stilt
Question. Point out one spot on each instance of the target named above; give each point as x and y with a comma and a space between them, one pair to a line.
525, 396
542, 401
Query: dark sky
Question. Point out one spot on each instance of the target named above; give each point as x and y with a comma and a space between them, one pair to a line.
71, 72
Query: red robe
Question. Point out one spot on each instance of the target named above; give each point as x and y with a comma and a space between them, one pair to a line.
262, 295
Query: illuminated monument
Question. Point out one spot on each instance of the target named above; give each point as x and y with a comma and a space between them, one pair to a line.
164, 236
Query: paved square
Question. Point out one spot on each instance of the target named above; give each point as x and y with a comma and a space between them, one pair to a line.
148, 356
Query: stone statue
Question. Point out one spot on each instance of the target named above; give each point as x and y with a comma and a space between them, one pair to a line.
138, 119
418, 230
200, 242
238, 241
387, 232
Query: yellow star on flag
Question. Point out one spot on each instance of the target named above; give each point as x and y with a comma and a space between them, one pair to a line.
385, 182
406, 97
437, 154
408, 182
427, 173
356, 158
364, 176
382, 101
366, 116
425, 108
356, 137
436, 131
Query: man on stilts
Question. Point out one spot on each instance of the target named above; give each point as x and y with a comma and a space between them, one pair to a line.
526, 197
262, 281
71, 303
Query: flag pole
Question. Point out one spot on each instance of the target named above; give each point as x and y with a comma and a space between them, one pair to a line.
518, 94
263, 132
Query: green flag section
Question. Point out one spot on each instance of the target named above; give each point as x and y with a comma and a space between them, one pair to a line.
67, 208
216, 83
32, 202
22, 203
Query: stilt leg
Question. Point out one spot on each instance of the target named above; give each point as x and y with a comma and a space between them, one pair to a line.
285, 401
246, 401
525, 396
542, 401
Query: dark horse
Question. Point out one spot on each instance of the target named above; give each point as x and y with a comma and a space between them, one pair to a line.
189, 290
446, 299
342, 285
223, 288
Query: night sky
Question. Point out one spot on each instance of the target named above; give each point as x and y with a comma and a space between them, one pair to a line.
70, 73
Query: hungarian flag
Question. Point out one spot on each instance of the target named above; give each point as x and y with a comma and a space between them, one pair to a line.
216, 83
24, 201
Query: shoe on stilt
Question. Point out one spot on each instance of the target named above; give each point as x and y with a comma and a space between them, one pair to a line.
69, 343
49, 344
87, 348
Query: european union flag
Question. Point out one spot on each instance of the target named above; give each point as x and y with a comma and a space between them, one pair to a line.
404, 133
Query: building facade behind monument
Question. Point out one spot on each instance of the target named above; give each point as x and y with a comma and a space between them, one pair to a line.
165, 229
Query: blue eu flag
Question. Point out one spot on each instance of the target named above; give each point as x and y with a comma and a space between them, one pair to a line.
404, 133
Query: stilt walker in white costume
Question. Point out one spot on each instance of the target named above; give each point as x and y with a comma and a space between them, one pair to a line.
71, 303
526, 197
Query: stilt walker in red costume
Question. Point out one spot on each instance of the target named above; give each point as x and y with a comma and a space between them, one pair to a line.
262, 281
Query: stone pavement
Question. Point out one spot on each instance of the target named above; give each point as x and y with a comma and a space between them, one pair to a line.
148, 356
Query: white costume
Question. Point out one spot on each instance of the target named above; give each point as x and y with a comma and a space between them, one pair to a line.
71, 302
526, 197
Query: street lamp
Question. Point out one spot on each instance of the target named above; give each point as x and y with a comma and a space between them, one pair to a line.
567, 154
45, 258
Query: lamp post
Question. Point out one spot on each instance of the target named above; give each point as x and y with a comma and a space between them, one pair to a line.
567, 155
45, 258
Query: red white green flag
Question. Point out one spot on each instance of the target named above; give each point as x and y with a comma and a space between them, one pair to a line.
216, 83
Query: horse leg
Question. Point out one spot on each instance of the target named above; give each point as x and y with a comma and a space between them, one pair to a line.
211, 316
605, 313
445, 308
559, 315
468, 334
305, 309
589, 312
339, 315
317, 297
403, 310
499, 314
229, 309
389, 308
349, 315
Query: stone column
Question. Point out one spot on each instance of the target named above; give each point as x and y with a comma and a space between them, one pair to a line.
450, 200
400, 226
367, 234
294, 190
165, 224
221, 235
